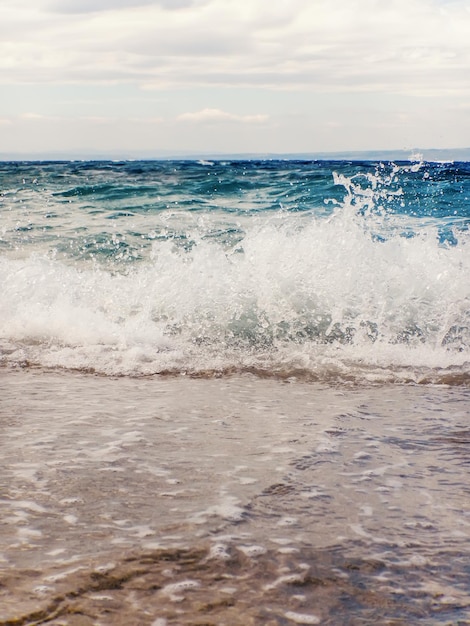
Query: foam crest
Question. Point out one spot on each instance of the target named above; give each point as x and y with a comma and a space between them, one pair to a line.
294, 288
359, 293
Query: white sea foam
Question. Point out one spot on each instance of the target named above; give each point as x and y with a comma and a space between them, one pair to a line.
219, 551
345, 297
228, 508
287, 579
302, 618
175, 590
252, 551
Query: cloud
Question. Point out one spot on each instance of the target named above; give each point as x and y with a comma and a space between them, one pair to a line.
401, 46
98, 120
33, 116
94, 6
216, 116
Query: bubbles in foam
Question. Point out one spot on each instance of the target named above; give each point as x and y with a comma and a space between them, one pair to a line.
252, 551
175, 590
287, 579
301, 618
219, 551
42, 590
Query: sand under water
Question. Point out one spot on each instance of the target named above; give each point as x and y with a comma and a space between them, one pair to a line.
231, 501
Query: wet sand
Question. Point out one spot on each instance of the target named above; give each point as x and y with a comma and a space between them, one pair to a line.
159, 501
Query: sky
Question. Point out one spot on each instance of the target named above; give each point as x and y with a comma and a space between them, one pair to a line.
233, 76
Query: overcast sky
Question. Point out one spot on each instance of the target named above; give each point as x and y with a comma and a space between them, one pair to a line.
234, 75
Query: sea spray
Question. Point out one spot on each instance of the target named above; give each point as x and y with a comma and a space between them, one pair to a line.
168, 269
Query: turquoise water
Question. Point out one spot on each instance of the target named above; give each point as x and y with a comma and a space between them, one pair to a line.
326, 270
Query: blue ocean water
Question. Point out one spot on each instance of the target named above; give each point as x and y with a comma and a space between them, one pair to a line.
335, 271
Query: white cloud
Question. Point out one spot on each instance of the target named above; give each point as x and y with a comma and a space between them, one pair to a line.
397, 46
33, 116
94, 6
87, 119
211, 116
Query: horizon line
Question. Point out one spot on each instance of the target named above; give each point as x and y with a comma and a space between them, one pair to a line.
414, 154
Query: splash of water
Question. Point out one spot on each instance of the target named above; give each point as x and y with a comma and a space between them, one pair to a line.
364, 291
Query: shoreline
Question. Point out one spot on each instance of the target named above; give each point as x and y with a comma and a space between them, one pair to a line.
184, 500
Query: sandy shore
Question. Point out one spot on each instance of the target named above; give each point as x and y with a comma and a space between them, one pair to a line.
231, 501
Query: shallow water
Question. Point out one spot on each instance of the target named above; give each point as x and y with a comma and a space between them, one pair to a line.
171, 500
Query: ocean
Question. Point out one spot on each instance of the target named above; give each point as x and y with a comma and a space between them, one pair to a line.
234, 392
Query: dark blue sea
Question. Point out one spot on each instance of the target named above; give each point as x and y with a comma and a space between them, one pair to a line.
234, 393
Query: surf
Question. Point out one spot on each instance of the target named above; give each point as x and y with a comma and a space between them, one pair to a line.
358, 288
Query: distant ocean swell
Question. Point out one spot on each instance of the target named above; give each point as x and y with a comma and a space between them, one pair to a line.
335, 272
